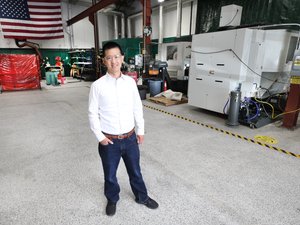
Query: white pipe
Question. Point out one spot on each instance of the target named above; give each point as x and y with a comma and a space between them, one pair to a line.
278, 25
123, 26
129, 34
114, 13
69, 30
135, 15
194, 16
128, 27
116, 26
179, 10
161, 35
191, 16
167, 4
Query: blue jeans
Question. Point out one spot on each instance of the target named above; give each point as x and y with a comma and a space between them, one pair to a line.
110, 155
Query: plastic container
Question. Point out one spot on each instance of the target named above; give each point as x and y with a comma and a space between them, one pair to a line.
155, 87
142, 91
48, 78
54, 79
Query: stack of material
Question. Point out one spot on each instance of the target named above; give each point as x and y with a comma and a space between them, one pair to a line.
168, 98
19, 72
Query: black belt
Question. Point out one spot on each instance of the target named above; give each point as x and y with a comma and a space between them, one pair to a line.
120, 136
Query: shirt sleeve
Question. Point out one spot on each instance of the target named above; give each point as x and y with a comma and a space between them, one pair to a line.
93, 112
138, 111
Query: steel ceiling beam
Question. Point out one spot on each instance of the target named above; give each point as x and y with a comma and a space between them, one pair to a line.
90, 11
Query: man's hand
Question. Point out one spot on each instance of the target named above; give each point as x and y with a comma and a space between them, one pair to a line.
140, 139
106, 141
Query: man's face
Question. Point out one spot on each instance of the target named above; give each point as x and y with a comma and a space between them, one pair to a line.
113, 60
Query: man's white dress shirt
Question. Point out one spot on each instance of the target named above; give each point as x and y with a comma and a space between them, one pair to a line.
115, 106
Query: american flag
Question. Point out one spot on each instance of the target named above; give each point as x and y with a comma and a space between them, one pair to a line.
31, 19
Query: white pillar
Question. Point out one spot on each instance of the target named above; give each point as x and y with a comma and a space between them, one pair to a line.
179, 10
116, 26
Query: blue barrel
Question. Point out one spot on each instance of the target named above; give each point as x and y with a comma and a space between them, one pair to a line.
155, 87
54, 79
48, 77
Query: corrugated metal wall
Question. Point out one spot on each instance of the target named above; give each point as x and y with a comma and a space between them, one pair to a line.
254, 12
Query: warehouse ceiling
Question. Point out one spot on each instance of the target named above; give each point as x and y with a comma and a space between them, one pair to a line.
128, 7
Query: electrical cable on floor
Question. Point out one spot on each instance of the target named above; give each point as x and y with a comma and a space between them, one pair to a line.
267, 103
272, 116
273, 111
272, 95
263, 106
286, 113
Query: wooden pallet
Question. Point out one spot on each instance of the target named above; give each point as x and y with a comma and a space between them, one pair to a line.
167, 102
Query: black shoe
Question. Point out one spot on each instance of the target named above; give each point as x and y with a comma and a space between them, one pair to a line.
150, 203
111, 208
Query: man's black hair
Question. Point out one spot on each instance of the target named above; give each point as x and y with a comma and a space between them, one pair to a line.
110, 45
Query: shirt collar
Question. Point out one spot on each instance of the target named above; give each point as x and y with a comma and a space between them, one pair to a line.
111, 77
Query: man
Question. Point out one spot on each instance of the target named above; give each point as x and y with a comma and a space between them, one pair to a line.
116, 118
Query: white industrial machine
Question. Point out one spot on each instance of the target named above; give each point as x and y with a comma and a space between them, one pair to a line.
177, 55
256, 60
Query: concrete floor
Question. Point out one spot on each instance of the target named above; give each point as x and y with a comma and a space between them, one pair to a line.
50, 171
